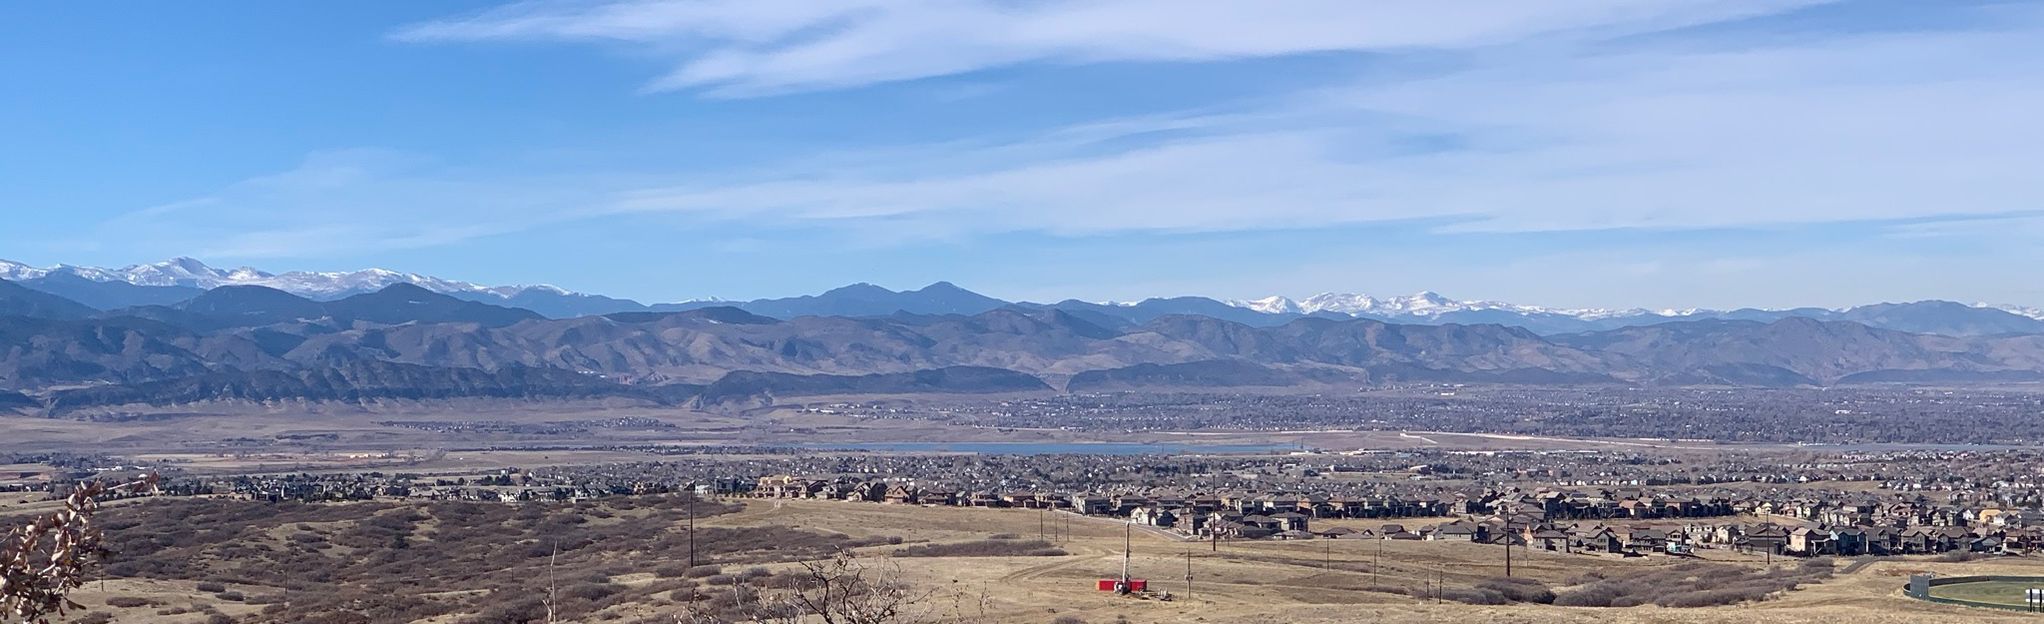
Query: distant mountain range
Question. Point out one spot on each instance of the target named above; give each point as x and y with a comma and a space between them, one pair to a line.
406, 341
175, 281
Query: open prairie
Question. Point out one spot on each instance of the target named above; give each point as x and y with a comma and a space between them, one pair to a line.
626, 560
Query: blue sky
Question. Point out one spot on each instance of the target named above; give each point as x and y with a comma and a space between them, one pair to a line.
1663, 153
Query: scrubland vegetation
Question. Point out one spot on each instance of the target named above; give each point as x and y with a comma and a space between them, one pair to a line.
378, 562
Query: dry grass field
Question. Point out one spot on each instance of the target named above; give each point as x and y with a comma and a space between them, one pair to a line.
473, 563
1330, 580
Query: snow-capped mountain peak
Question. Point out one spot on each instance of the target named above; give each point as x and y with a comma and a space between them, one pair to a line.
1429, 307
1422, 304
15, 271
172, 272
1269, 305
2035, 313
192, 273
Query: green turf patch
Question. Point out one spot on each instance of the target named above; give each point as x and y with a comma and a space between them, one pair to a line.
2009, 593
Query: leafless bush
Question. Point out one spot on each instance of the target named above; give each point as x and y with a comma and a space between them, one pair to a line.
984, 548
670, 570
842, 589
1714, 597
1518, 589
1693, 585
1472, 596
1598, 594
42, 561
518, 610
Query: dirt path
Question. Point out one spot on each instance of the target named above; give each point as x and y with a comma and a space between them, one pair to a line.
1036, 571
1859, 564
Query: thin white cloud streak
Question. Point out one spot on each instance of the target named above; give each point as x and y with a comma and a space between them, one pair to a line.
1845, 128
753, 47
354, 201
1531, 136
1667, 277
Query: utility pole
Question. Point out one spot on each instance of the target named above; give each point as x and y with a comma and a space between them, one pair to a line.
1188, 573
1327, 556
1507, 537
691, 536
1039, 522
1377, 565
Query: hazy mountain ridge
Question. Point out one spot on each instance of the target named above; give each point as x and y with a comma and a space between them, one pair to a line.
176, 280
409, 341
253, 343
17, 300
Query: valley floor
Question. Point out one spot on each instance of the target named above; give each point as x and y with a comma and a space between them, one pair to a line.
1265, 581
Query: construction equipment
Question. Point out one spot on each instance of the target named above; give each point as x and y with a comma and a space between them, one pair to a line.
1128, 585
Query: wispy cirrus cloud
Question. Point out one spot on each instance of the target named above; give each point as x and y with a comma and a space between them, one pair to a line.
1698, 133
348, 201
1549, 120
753, 47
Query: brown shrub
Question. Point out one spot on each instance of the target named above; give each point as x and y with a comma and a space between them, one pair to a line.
1472, 596
1518, 589
984, 548
1693, 585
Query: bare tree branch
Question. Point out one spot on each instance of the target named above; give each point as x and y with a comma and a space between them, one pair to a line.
42, 561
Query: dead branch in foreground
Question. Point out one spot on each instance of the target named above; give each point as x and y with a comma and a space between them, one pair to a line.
42, 561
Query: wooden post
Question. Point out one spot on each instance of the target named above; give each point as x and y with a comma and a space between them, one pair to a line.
1188, 573
1508, 553
1378, 564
